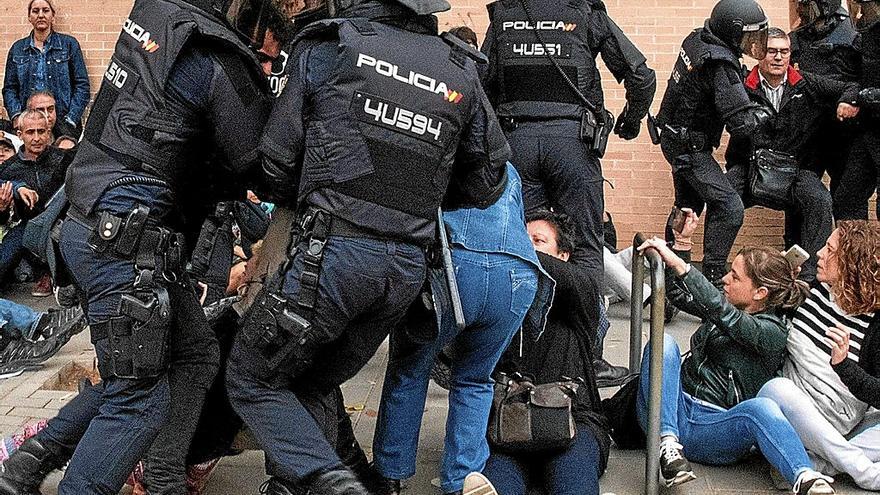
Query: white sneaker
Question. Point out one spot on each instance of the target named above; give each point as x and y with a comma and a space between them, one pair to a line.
477, 484
674, 467
813, 483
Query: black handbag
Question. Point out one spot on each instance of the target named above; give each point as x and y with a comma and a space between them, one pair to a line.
526, 417
771, 179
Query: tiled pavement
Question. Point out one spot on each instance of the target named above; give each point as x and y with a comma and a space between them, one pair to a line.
22, 400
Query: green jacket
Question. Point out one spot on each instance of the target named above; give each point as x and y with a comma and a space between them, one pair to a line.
733, 353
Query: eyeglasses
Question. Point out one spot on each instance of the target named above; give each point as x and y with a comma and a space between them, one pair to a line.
785, 52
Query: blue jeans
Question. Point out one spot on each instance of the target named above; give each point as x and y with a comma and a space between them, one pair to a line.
496, 291
574, 471
364, 288
713, 435
16, 320
11, 250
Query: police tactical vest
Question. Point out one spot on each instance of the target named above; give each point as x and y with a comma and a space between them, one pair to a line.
529, 84
686, 102
133, 127
818, 55
381, 135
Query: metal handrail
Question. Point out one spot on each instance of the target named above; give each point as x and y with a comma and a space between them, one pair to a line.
658, 303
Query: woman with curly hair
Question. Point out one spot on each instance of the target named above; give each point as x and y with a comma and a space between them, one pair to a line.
832, 373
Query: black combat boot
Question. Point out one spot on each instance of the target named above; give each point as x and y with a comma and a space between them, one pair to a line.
24, 471
277, 486
337, 482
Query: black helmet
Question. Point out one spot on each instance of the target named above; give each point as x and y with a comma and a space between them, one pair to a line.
813, 11
323, 9
864, 13
742, 25
249, 19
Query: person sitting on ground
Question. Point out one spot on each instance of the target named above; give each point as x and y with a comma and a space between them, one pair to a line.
44, 102
618, 268
708, 408
556, 232
37, 172
565, 349
8, 149
832, 372
28, 337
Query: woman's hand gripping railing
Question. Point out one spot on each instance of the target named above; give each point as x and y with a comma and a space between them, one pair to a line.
658, 302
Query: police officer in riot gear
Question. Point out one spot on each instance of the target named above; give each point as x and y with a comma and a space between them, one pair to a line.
862, 175
705, 92
824, 44
183, 83
545, 86
380, 121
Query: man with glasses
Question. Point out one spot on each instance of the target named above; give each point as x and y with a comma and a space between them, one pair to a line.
800, 101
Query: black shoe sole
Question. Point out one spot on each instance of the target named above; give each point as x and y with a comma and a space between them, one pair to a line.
606, 383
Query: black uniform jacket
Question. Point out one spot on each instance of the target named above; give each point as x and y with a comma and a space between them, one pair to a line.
806, 100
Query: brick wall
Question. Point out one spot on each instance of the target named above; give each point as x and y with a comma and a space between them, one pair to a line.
642, 194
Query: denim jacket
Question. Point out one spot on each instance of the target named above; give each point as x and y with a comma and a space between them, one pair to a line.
65, 75
501, 228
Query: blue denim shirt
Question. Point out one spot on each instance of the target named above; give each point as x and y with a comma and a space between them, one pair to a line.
501, 228
60, 68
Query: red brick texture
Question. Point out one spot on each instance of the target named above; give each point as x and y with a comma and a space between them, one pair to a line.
642, 194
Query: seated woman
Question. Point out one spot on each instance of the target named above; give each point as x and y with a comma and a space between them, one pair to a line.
709, 410
832, 372
563, 350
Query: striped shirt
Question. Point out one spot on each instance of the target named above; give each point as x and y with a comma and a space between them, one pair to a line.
819, 312
808, 363
773, 94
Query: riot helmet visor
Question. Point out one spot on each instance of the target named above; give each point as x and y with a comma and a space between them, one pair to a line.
754, 41
864, 14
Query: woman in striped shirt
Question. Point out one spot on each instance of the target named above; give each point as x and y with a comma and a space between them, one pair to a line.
832, 372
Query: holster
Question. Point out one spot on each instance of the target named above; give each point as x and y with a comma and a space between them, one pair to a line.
279, 334
685, 139
138, 337
595, 130
278, 328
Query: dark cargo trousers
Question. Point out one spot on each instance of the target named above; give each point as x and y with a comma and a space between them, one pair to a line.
700, 185
364, 289
113, 425
559, 171
811, 203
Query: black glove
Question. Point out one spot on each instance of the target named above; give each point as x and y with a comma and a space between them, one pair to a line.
626, 128
870, 98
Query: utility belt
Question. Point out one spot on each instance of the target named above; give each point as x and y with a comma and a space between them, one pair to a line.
684, 137
138, 336
594, 130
